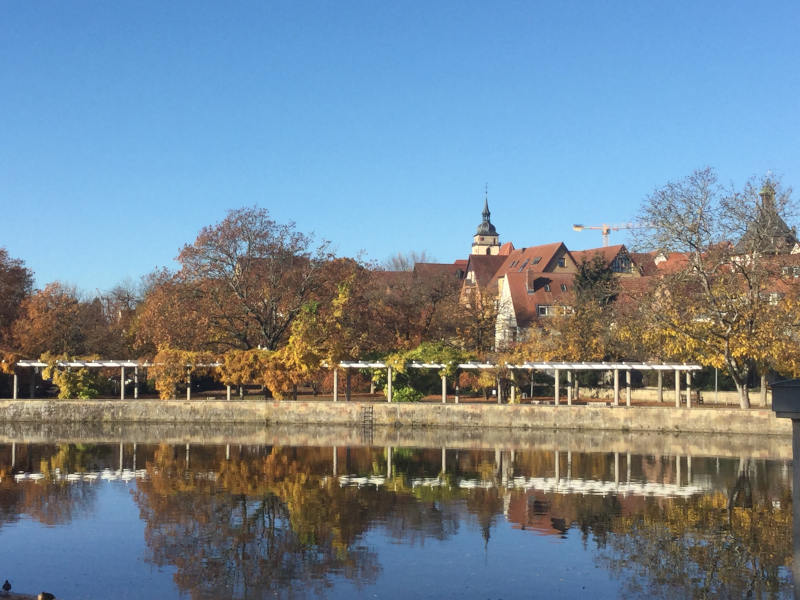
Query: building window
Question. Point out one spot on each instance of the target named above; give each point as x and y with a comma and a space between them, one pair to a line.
621, 264
563, 287
536, 260
546, 287
545, 310
791, 271
562, 262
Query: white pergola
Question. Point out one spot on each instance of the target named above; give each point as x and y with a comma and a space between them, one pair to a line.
553, 368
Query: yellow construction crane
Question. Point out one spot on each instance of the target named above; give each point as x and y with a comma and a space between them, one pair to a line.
605, 229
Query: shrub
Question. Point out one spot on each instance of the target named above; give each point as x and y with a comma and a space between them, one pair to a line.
406, 394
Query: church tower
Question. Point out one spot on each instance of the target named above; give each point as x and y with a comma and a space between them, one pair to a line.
486, 240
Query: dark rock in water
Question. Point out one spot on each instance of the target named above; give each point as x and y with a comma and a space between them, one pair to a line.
46, 596
6, 587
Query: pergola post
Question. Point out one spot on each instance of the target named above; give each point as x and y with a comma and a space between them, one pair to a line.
557, 464
660, 385
763, 389
530, 375
557, 391
688, 389
136, 383
569, 387
677, 388
335, 384
228, 392
122, 383
570, 396
347, 387
628, 388
616, 387
389, 385
188, 384
33, 382
513, 393
335, 461
628, 468
444, 389
499, 391
16, 385
569, 465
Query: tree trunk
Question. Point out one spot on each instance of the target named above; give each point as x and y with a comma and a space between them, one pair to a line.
744, 394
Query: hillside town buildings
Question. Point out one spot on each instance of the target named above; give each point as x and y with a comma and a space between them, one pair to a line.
533, 283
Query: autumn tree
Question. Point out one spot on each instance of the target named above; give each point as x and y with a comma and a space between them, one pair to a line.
119, 310
252, 276
171, 313
717, 307
411, 307
406, 261
56, 320
476, 321
16, 284
595, 282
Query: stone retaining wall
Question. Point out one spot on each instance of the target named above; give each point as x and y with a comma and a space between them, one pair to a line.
719, 445
663, 419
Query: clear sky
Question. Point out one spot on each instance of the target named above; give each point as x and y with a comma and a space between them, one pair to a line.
125, 127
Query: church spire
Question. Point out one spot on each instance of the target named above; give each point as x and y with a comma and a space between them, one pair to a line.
486, 240
486, 213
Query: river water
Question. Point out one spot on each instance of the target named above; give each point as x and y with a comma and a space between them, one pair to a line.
254, 515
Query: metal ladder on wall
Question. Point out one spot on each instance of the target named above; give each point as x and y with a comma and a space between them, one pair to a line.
367, 423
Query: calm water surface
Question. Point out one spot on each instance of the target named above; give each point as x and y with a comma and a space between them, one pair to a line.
115, 520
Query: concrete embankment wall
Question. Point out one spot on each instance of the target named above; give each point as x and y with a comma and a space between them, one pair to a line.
655, 419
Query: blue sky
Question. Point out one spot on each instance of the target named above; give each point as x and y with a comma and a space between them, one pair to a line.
125, 127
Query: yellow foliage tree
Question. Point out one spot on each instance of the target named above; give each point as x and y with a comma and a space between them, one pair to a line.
172, 366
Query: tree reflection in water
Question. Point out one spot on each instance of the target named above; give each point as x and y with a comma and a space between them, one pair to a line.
265, 526
52, 501
268, 521
705, 546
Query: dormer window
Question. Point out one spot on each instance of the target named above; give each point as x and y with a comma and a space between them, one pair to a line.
546, 287
563, 287
562, 262
536, 260
621, 264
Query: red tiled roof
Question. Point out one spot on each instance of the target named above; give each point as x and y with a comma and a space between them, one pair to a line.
529, 289
484, 266
645, 261
534, 258
609, 253
675, 261
506, 249
439, 269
